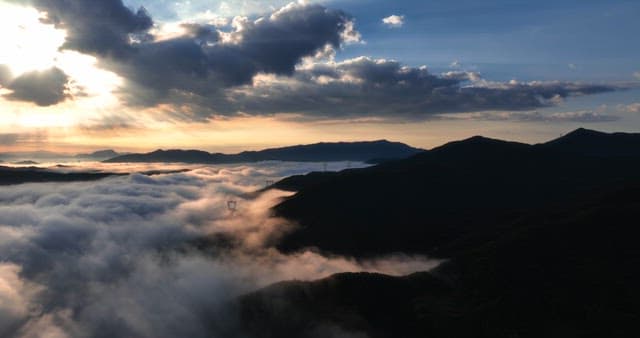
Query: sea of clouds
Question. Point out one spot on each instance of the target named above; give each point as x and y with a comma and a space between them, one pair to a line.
151, 256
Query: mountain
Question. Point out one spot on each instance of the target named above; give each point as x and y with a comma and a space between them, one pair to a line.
538, 241
444, 200
20, 175
567, 273
319, 152
596, 143
99, 155
12, 175
26, 162
47, 156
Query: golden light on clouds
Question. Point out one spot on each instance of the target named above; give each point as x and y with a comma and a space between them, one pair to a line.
27, 44
94, 86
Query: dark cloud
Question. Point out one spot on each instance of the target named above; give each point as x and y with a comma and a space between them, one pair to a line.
198, 62
201, 63
535, 116
104, 27
210, 71
44, 88
368, 87
203, 34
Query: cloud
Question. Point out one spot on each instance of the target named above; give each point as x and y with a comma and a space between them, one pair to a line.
104, 28
584, 116
282, 63
5, 75
630, 108
44, 88
140, 256
636, 75
203, 60
185, 66
9, 139
385, 88
394, 21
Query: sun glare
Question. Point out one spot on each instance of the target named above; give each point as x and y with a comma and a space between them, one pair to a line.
26, 43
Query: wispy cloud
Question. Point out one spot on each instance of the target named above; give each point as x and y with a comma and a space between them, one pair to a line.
584, 116
630, 108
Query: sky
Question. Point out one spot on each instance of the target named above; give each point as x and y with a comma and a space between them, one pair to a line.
235, 75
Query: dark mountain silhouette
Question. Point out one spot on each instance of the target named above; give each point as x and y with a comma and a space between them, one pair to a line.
568, 273
99, 155
11, 175
26, 162
48, 156
591, 142
434, 201
319, 152
540, 242
19, 175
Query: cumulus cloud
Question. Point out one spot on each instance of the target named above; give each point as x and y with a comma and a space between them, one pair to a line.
274, 44
394, 21
103, 28
44, 88
385, 88
141, 256
204, 59
278, 63
636, 75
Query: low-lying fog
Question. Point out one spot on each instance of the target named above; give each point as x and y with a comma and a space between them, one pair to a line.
127, 256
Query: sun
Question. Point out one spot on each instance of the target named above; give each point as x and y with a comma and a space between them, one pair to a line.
27, 44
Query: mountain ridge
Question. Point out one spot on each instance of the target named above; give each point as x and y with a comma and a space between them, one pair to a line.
433, 197
537, 241
317, 152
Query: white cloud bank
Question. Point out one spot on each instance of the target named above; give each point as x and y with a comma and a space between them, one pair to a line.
140, 256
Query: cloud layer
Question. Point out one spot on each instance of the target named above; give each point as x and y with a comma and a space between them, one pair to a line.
377, 87
279, 63
141, 256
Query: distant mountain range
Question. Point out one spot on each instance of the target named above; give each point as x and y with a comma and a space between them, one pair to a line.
539, 241
100, 155
31, 174
319, 152
12, 175
47, 156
